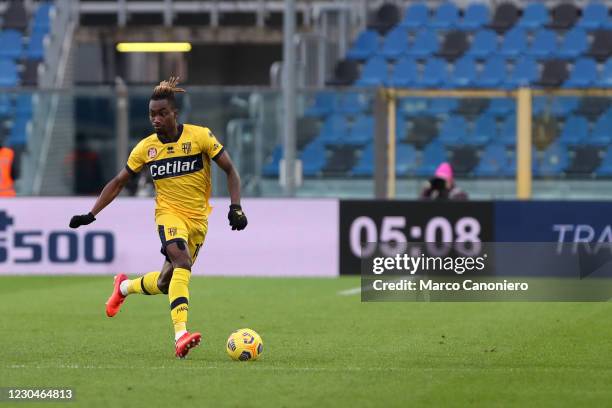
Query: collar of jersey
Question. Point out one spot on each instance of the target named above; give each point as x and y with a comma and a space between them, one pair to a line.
180, 133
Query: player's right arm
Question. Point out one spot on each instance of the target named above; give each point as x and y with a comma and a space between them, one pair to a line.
112, 188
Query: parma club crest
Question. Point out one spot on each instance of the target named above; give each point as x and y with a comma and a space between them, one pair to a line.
186, 147
172, 231
152, 153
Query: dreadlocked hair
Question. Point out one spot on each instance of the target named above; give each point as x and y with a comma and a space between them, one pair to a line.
166, 90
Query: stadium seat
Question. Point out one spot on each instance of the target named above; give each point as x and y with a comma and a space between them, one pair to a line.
313, 159
41, 21
421, 131
19, 132
324, 104
341, 161
464, 74
364, 46
463, 159
11, 45
525, 73
554, 73
594, 16
592, 107
485, 129
433, 154
362, 131
601, 47
564, 16
453, 131
605, 168
405, 160
445, 17
484, 44
365, 165
345, 73
574, 44
454, 45
583, 75
411, 107
556, 106
387, 16
472, 106
395, 43
435, 74
475, 16
405, 73
501, 107
602, 131
575, 130
334, 130
442, 106
493, 73
585, 161
35, 49
353, 103
417, 16
505, 17
507, 135
424, 45
535, 15
271, 168
374, 72
15, 16
543, 45
6, 106
554, 161
24, 105
514, 43
493, 161
8, 73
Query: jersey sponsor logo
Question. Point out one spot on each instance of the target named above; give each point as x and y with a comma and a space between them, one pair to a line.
175, 166
152, 153
186, 147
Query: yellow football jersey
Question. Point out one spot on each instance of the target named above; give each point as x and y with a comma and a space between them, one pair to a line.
180, 170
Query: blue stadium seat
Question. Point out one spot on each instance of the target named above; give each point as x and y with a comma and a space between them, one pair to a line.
410, 107
575, 43
435, 74
24, 104
35, 49
484, 44
352, 103
433, 154
475, 16
19, 132
605, 168
362, 131
334, 130
313, 158
445, 17
535, 15
507, 135
11, 44
594, 16
442, 106
405, 73
405, 160
424, 45
583, 75
417, 16
6, 106
602, 131
395, 43
485, 129
271, 169
324, 104
493, 162
374, 72
365, 165
8, 73
544, 44
606, 74
493, 73
42, 18
364, 46
558, 106
575, 130
501, 107
453, 131
524, 73
555, 160
464, 74
514, 43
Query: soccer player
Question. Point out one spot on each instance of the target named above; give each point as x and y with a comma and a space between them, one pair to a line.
178, 158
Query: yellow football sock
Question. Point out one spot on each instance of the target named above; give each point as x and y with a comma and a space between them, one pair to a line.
178, 294
146, 285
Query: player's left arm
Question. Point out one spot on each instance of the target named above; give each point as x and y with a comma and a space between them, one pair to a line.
236, 217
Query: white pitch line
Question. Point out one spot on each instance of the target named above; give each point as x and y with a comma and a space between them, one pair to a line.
351, 291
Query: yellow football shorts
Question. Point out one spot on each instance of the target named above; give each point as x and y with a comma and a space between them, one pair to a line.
173, 227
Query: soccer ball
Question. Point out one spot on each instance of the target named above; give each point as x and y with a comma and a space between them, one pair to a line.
244, 345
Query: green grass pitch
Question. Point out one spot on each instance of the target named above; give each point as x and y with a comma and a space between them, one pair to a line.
320, 348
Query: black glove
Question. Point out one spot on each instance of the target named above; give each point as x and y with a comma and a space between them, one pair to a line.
236, 217
79, 220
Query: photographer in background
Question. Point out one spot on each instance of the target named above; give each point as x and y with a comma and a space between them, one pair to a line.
442, 186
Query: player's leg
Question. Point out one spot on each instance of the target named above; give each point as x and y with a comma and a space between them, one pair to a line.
144, 285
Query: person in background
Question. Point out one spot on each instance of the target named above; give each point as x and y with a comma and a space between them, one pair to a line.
9, 171
442, 186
